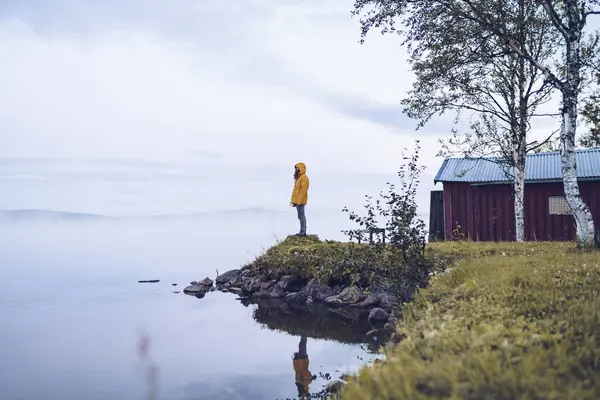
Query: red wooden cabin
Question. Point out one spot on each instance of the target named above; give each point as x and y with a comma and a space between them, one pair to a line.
478, 201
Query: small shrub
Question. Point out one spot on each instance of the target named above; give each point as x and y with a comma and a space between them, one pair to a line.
404, 229
398, 209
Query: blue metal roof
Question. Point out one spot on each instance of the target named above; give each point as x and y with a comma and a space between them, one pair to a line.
538, 167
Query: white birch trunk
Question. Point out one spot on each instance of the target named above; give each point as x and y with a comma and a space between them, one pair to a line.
583, 217
520, 139
519, 196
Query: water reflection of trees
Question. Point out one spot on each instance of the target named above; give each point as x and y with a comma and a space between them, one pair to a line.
317, 321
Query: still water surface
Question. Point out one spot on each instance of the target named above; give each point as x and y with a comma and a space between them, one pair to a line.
72, 313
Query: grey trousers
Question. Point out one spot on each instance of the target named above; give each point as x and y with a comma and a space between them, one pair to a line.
302, 218
302, 347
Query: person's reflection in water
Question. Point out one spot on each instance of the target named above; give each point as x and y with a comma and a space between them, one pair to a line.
303, 375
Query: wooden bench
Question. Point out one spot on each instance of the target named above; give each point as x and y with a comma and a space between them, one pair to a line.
371, 232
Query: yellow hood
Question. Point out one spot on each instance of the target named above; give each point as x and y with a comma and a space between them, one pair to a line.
302, 167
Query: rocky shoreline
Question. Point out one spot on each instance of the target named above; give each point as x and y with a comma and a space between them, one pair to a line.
382, 304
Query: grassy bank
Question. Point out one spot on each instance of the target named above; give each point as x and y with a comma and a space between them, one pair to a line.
331, 262
511, 321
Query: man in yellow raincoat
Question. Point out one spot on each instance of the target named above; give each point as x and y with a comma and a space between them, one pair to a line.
300, 195
303, 375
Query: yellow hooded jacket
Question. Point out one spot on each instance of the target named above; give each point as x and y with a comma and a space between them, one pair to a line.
300, 193
303, 375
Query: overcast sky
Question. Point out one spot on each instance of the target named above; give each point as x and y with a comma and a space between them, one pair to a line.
257, 83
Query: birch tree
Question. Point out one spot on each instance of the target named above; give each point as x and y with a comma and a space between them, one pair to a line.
486, 78
422, 22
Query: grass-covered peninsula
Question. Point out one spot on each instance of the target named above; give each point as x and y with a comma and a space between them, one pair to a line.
306, 270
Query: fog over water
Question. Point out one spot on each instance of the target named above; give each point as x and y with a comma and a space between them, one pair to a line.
77, 237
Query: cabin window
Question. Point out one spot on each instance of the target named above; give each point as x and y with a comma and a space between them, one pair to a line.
557, 205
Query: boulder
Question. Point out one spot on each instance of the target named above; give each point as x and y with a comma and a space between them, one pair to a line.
387, 300
227, 276
206, 282
265, 286
296, 297
291, 283
370, 301
193, 289
261, 294
253, 285
317, 291
336, 289
284, 282
378, 315
237, 280
348, 296
277, 292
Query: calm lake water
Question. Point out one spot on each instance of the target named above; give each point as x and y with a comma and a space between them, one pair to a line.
73, 313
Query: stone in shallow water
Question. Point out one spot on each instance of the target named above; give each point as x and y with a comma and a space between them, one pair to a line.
206, 282
227, 276
378, 314
196, 289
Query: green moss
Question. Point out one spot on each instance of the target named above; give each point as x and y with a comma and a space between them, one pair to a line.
330, 261
511, 321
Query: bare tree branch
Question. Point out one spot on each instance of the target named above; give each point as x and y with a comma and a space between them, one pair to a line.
555, 18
